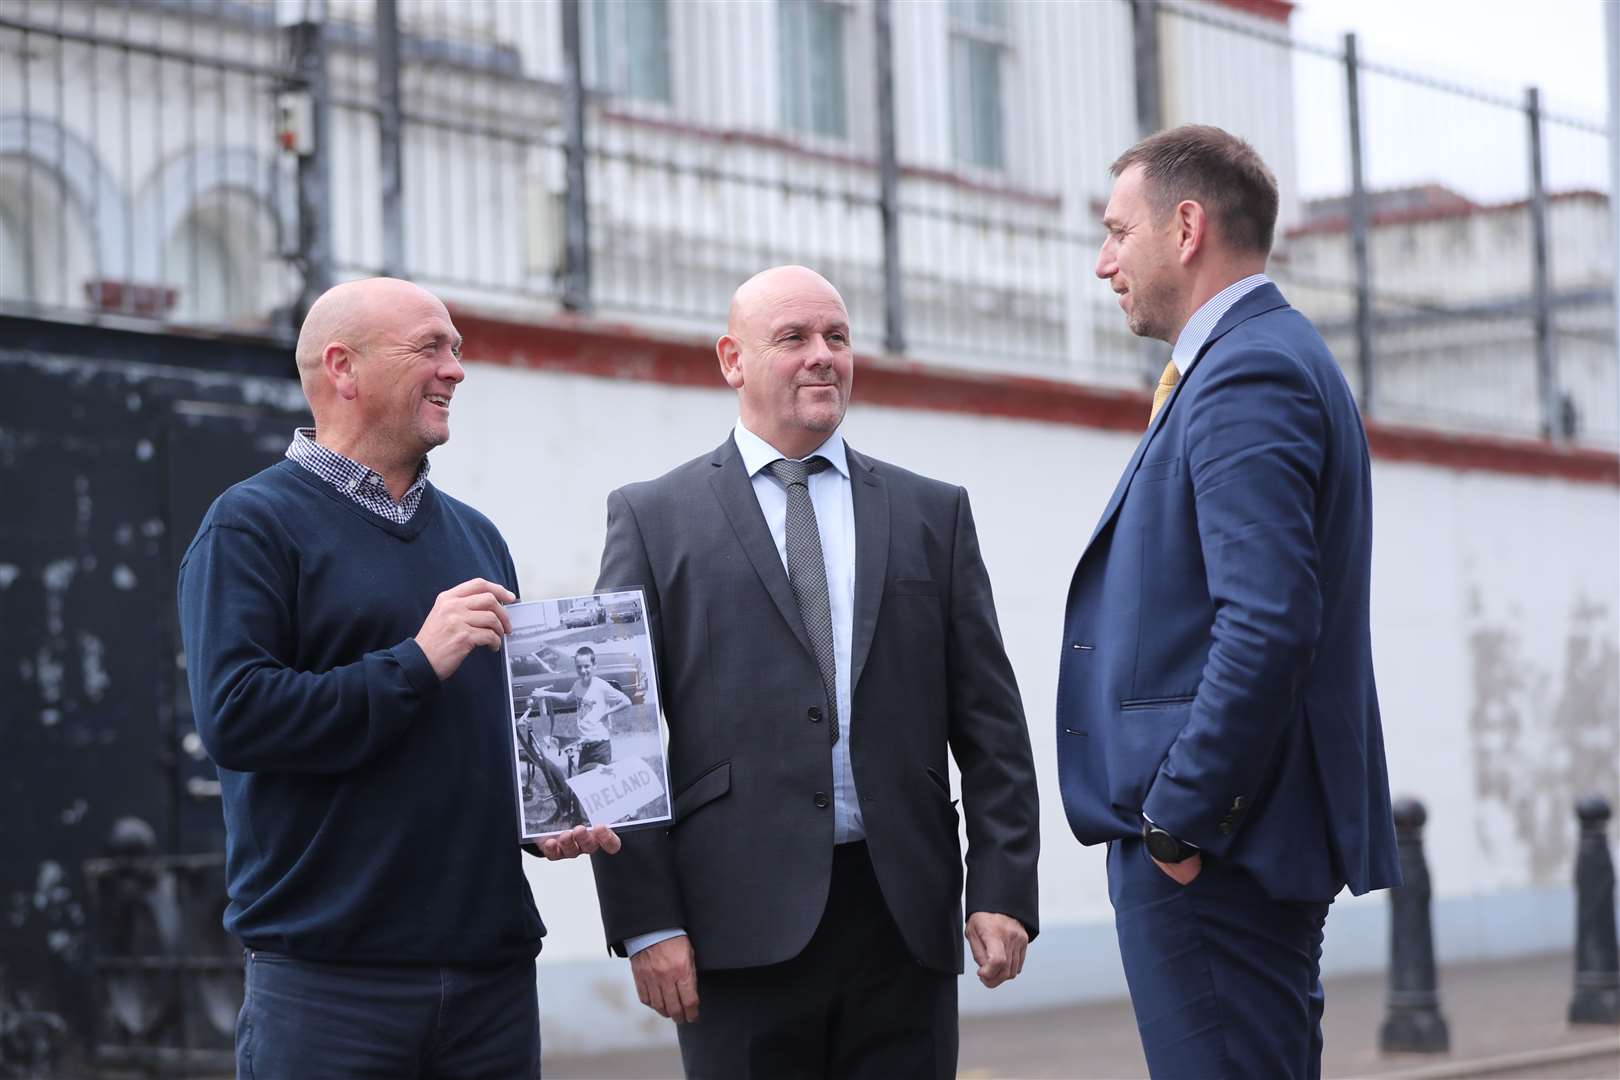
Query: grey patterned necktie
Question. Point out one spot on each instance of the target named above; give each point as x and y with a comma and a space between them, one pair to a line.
807, 572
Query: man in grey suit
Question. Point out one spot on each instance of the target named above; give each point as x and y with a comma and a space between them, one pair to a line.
824, 631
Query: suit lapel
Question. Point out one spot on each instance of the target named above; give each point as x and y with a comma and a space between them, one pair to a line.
1265, 298
735, 491
1130, 468
871, 498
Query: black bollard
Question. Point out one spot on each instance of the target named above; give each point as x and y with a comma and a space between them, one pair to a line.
1597, 960
1413, 1023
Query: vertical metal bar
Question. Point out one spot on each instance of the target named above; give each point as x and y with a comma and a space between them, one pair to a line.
101, 272
389, 131
1552, 425
1611, 26
451, 229
1149, 85
160, 286
488, 174
348, 136
193, 274
894, 303
1149, 119
127, 143
280, 297
1359, 226
478, 149
307, 41
220, 211
577, 258
253, 224
60, 52
31, 290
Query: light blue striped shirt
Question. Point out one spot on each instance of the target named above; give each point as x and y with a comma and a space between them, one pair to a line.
1202, 324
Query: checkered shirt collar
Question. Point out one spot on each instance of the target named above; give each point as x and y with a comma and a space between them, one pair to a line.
359, 483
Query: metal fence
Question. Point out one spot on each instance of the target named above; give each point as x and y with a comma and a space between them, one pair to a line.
1451, 243
138, 177
213, 163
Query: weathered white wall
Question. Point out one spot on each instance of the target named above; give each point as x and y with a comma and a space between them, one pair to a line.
1481, 370
1495, 634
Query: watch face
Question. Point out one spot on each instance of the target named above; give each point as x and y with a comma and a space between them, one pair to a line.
1164, 847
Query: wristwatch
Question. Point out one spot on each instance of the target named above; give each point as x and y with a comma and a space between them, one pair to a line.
1164, 847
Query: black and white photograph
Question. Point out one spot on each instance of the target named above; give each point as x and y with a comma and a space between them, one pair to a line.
586, 726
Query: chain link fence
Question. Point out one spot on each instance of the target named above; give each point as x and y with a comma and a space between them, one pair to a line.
211, 164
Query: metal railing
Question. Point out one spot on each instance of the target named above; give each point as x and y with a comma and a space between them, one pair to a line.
214, 163
1450, 242
138, 176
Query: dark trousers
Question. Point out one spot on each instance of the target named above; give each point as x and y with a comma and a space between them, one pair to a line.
853, 1004
1225, 981
303, 1020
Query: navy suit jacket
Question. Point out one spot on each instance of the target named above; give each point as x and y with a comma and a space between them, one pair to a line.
1217, 663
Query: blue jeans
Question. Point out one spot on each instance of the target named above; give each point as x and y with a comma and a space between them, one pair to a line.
306, 1020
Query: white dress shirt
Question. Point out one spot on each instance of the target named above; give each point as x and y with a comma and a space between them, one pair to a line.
833, 498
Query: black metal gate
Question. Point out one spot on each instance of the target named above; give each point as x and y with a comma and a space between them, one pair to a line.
111, 450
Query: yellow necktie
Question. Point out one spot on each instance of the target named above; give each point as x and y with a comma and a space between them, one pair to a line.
1161, 393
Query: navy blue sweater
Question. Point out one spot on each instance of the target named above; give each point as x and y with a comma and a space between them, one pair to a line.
370, 811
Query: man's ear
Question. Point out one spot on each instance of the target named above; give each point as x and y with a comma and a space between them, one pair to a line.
1192, 229
730, 354
338, 364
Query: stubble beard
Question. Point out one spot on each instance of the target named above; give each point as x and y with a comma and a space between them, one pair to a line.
1148, 317
429, 435
823, 419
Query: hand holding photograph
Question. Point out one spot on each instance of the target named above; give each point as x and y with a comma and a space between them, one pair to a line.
587, 731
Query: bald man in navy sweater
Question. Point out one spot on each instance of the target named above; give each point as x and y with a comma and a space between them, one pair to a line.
343, 620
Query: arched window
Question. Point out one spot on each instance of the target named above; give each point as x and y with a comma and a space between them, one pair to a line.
45, 256
220, 261
207, 226
66, 219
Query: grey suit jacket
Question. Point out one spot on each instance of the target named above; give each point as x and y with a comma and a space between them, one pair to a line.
745, 867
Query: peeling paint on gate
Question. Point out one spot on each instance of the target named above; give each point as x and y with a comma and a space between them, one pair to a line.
116, 461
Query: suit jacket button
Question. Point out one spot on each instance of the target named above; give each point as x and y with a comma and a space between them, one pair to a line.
821, 799
1226, 826
815, 715
1238, 804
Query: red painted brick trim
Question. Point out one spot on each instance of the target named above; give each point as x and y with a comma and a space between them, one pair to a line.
1521, 457
1280, 10
580, 346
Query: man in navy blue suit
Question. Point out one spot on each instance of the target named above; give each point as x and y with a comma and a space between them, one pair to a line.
1217, 719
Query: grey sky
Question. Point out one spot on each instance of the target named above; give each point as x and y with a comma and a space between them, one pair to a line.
1416, 134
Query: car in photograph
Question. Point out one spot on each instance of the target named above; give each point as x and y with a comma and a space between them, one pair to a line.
622, 611
550, 668
588, 614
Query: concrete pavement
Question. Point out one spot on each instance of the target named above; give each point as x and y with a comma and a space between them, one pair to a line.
1506, 1019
